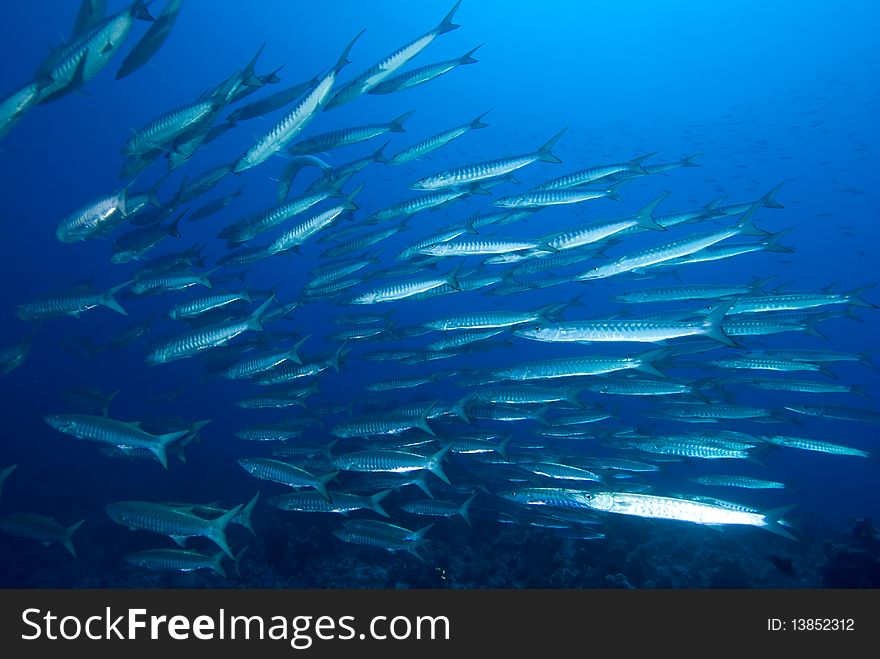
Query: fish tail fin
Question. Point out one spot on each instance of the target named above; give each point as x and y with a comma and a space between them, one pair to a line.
105, 408
865, 358
321, 485
647, 361
110, 302
645, 216
712, 324
501, 449
461, 406
465, 509
237, 560
293, 353
160, 449
396, 125
776, 524
452, 279
217, 531
139, 10
422, 483
173, 228
446, 25
244, 518
757, 286
376, 502
612, 192
418, 537
771, 244
768, 201
710, 208
217, 564
468, 58
855, 298
745, 227
422, 421
478, 122
68, 537
545, 152
688, 161
255, 320
635, 165
435, 464
337, 356
343, 58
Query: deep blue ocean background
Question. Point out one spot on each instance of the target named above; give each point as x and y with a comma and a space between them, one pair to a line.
767, 92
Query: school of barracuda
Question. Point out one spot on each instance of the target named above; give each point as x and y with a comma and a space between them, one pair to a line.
534, 442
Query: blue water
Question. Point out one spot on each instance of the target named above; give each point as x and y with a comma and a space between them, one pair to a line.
767, 93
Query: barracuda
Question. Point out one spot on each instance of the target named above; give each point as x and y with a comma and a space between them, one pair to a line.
582, 366
639, 387
433, 143
688, 448
287, 474
745, 482
301, 232
96, 219
542, 198
176, 560
599, 231
488, 169
205, 338
805, 386
491, 319
382, 535
163, 130
691, 292
558, 471
13, 108
643, 331
385, 68
406, 289
115, 433
382, 424
42, 529
70, 304
818, 446
759, 363
800, 301
82, 59
481, 246
462, 339
287, 372
592, 174
418, 204
248, 368
348, 136
177, 524
393, 461
438, 508
342, 502
423, 74
721, 252
167, 282
529, 395
203, 305
297, 119
254, 225
711, 412
686, 510
663, 253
